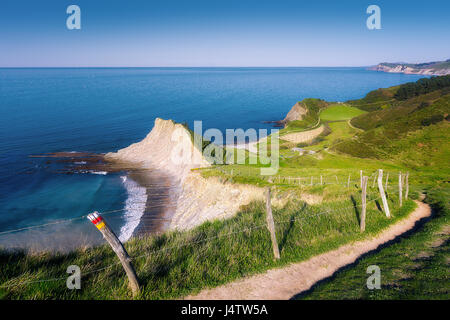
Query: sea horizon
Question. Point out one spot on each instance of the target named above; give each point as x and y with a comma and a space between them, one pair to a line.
187, 67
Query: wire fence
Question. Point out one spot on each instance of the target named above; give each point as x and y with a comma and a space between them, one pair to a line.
16, 282
163, 203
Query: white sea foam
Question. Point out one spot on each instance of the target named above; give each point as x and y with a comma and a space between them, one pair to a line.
134, 207
104, 173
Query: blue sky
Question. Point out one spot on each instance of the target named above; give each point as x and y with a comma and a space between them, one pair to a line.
221, 33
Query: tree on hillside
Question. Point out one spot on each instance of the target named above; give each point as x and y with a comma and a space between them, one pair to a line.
422, 86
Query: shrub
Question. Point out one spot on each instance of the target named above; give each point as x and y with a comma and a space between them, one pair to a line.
432, 120
422, 86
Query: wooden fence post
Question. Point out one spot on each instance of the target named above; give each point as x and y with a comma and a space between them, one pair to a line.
382, 194
271, 226
118, 248
400, 196
406, 186
321, 183
348, 181
374, 178
363, 202
337, 181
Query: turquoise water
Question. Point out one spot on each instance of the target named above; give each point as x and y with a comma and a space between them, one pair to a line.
102, 110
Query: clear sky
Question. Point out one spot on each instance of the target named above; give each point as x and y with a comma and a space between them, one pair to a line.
142, 33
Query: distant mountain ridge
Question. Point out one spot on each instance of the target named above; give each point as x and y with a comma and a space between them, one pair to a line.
435, 68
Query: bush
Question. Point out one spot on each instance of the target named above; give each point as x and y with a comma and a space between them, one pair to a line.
422, 86
423, 105
432, 120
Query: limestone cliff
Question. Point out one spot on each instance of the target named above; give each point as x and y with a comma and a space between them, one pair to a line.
169, 147
297, 112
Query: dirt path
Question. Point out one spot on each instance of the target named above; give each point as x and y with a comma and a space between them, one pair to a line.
286, 282
303, 136
351, 126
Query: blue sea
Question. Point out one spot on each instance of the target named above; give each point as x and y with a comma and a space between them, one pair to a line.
102, 110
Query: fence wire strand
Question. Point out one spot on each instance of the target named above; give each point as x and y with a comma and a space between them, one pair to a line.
153, 252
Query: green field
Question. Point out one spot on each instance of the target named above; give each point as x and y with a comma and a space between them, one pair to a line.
340, 112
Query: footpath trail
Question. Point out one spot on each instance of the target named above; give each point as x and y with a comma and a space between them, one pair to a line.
286, 282
303, 136
351, 126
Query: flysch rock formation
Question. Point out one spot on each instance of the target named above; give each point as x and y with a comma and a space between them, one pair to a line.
170, 148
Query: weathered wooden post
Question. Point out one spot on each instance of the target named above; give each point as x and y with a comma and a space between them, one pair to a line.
362, 223
348, 181
400, 196
118, 248
360, 178
374, 179
321, 183
337, 181
382, 194
271, 226
406, 186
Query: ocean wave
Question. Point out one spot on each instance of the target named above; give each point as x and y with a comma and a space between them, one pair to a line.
134, 207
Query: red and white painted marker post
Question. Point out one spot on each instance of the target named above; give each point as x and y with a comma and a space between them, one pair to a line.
97, 220
118, 248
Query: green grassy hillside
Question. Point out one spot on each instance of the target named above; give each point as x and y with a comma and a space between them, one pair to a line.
414, 132
414, 268
176, 264
375, 100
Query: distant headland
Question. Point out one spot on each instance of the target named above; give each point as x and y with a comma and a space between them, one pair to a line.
435, 68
